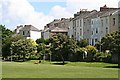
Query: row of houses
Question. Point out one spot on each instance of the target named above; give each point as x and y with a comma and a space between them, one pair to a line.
93, 25
89, 25
55, 27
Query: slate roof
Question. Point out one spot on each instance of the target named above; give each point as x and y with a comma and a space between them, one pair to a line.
112, 12
57, 29
30, 28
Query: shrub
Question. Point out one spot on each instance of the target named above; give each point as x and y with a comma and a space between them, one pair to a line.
102, 56
91, 51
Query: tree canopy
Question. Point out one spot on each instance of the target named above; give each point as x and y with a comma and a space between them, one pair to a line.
7, 44
61, 46
111, 42
82, 43
5, 33
23, 48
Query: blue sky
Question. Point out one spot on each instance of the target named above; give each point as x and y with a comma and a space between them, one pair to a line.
46, 6
40, 12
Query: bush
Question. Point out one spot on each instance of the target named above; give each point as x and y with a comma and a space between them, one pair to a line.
102, 57
91, 51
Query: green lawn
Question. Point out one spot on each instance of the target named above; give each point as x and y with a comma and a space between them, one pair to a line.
70, 70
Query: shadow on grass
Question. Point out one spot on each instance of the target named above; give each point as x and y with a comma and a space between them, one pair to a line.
112, 67
59, 63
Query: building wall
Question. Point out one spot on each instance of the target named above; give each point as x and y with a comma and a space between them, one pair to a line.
95, 30
35, 35
60, 23
114, 22
87, 29
82, 25
104, 23
25, 33
17, 30
30, 34
46, 35
74, 29
70, 30
109, 23
78, 28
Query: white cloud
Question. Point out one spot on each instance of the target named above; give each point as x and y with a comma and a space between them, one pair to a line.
73, 6
76, 5
0, 11
60, 12
16, 12
46, 0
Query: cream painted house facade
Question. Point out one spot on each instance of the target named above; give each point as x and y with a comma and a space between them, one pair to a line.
93, 25
104, 23
76, 30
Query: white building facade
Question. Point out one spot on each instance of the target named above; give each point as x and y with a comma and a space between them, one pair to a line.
28, 31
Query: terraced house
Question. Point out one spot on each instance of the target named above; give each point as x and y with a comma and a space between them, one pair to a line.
89, 25
55, 27
93, 25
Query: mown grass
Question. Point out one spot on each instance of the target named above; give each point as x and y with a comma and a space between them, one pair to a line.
70, 70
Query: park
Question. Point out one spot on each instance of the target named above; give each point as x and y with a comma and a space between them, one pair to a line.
59, 57
70, 70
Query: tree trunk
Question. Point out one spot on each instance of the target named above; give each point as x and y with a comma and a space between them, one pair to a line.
62, 59
23, 57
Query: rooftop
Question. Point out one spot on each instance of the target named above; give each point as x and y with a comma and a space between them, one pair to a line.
57, 29
30, 28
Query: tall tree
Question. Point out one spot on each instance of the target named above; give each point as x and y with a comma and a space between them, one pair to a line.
5, 33
6, 40
111, 42
62, 46
7, 44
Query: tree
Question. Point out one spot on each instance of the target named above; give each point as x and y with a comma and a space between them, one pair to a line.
41, 49
6, 51
40, 40
23, 48
111, 42
82, 43
5, 33
79, 54
62, 46
102, 56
